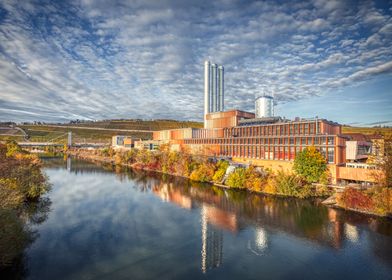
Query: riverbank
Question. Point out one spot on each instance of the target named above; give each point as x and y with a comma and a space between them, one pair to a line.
22, 186
250, 179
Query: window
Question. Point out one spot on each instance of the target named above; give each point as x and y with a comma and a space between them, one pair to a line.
291, 140
331, 140
323, 151
311, 128
303, 141
331, 155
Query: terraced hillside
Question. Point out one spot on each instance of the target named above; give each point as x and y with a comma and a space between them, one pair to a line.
102, 131
368, 130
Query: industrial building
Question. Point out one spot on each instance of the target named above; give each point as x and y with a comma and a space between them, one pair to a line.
266, 140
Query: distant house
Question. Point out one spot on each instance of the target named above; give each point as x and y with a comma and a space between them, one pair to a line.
122, 141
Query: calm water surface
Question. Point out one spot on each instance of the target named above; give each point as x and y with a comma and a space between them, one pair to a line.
114, 224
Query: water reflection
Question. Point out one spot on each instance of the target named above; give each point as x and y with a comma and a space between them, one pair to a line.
145, 225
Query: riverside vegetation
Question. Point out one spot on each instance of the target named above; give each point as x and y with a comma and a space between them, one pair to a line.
309, 167
202, 169
22, 185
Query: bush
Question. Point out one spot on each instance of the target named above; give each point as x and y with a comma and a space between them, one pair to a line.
237, 179
382, 199
222, 166
356, 199
203, 173
291, 185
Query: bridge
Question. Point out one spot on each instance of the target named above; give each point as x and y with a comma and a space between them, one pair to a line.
57, 141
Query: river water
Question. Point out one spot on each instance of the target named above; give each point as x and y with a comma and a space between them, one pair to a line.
116, 224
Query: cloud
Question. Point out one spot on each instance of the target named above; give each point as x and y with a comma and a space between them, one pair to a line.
144, 59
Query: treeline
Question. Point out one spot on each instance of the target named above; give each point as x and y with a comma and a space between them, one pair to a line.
203, 169
22, 185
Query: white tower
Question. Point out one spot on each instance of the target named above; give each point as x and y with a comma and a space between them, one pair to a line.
264, 106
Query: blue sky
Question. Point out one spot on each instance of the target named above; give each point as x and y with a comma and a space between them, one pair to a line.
62, 60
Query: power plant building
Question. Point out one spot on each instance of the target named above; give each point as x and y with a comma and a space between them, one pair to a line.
261, 139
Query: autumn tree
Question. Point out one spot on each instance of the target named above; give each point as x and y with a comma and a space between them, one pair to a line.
310, 164
386, 164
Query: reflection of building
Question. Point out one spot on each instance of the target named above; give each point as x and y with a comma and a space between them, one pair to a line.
212, 243
173, 195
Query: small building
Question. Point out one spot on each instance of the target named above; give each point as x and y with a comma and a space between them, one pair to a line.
122, 141
150, 145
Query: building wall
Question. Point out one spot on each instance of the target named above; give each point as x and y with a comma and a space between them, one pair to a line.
225, 119
357, 174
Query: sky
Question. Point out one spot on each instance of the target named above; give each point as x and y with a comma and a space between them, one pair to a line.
94, 59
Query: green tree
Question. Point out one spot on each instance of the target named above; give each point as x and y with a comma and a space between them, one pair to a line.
310, 164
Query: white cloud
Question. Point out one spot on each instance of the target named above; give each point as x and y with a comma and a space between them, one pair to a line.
96, 59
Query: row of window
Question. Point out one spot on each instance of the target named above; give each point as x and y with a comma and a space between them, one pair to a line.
267, 141
268, 152
283, 129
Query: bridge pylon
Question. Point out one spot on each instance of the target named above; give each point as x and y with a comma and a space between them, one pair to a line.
69, 144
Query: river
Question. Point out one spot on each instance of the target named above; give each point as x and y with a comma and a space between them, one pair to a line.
119, 224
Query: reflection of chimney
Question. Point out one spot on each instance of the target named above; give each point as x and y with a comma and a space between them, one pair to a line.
351, 233
212, 243
260, 243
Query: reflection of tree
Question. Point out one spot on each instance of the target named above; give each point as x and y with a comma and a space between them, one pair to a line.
16, 235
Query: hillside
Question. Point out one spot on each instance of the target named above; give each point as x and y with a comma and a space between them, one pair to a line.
102, 131
367, 130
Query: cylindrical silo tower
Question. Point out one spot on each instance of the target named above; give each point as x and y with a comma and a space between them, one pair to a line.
264, 106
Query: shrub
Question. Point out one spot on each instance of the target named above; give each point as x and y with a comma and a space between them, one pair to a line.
356, 199
291, 185
382, 199
237, 179
254, 179
10, 196
203, 173
270, 187
222, 166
